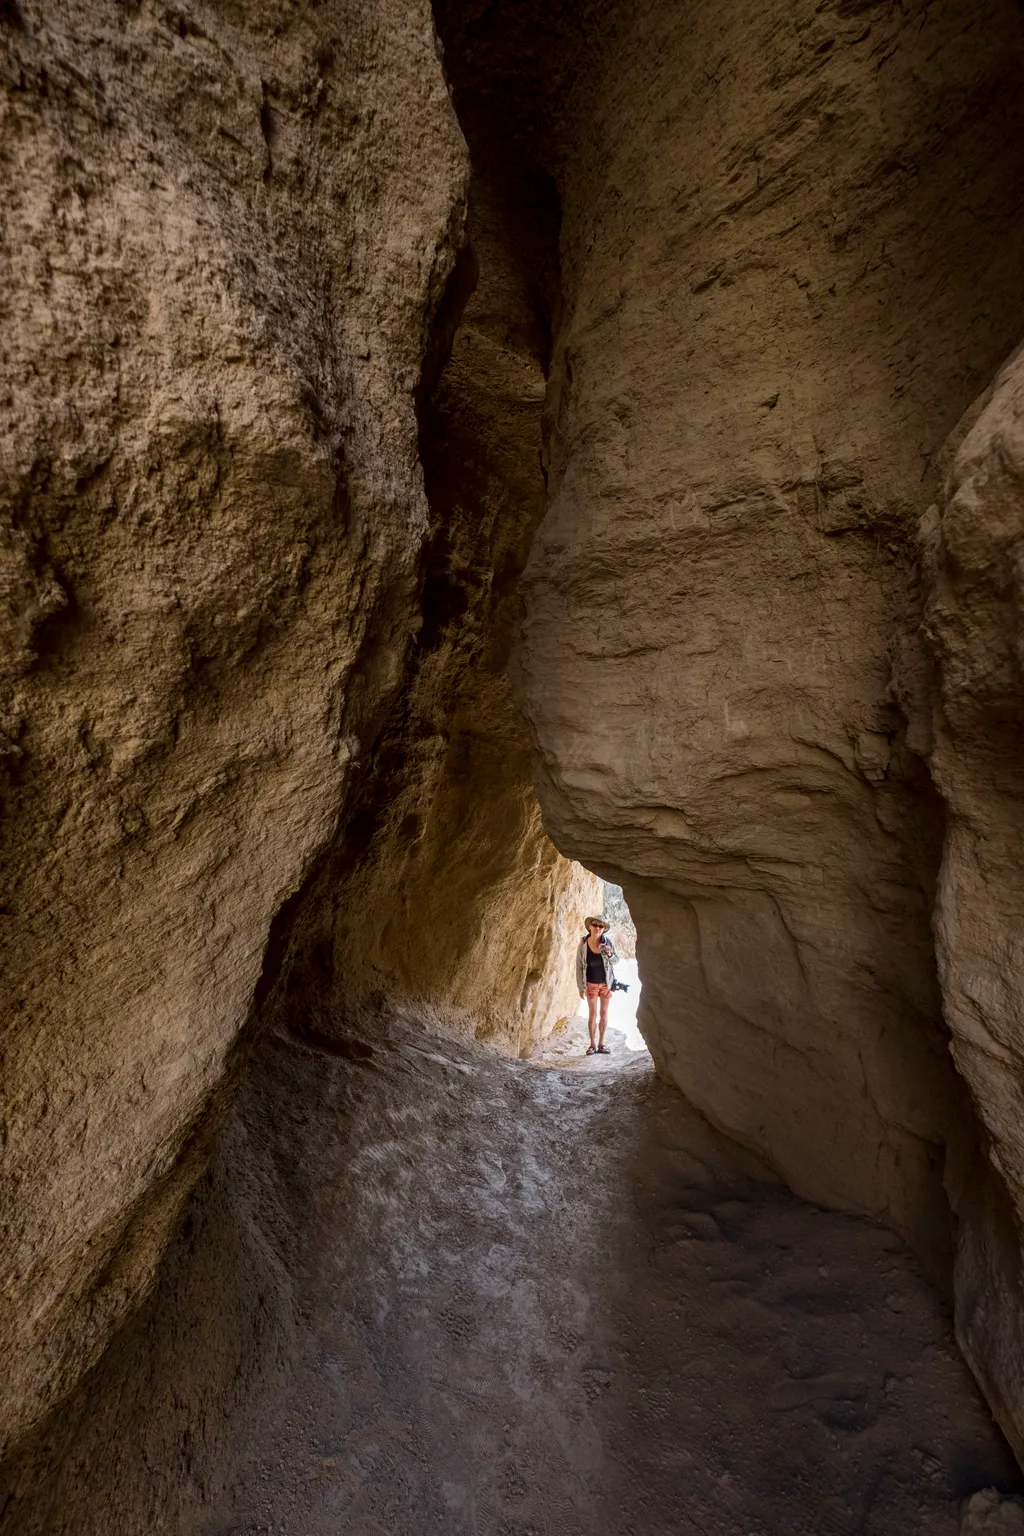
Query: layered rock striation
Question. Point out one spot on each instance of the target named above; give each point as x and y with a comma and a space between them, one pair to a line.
270, 473
791, 254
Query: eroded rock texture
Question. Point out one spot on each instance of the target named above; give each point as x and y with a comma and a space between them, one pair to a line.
791, 251
621, 919
973, 540
226, 230
260, 581
791, 255
445, 890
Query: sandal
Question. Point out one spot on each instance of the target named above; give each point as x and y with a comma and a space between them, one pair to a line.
591, 1050
603, 1050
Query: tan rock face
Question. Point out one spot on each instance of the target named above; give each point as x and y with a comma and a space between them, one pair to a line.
973, 540
987, 1513
621, 919
791, 260
445, 890
225, 231
773, 318
255, 726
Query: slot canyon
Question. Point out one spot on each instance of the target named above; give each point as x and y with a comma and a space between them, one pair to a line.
456, 461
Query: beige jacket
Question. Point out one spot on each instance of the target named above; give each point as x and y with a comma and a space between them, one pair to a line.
581, 964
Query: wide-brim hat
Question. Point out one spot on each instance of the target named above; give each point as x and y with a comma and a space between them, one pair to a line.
602, 920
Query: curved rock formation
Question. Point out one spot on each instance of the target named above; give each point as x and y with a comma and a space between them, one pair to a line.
270, 479
973, 540
772, 318
791, 254
225, 236
445, 890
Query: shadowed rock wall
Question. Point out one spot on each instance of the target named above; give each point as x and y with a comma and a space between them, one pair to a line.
772, 320
256, 731
225, 232
974, 538
791, 257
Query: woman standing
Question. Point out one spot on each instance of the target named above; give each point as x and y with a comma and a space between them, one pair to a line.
594, 977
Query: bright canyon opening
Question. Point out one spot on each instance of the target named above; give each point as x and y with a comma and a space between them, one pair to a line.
452, 461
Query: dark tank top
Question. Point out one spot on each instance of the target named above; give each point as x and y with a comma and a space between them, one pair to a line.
595, 967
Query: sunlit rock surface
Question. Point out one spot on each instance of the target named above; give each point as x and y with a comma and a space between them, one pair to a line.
444, 889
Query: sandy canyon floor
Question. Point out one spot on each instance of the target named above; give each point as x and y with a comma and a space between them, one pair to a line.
578, 1310
522, 1299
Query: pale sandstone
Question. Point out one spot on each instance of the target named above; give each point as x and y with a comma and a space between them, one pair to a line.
444, 889
621, 920
225, 232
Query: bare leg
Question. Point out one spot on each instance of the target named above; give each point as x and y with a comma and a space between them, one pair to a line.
604, 1020
592, 1019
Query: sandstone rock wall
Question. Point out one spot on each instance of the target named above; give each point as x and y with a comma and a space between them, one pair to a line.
225, 231
791, 256
255, 728
620, 917
445, 889
974, 538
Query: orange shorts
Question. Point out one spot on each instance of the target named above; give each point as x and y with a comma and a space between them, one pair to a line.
598, 989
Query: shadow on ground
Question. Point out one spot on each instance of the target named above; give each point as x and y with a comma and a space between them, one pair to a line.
424, 1290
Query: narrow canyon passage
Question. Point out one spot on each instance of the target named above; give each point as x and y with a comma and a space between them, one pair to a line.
457, 459
493, 1297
